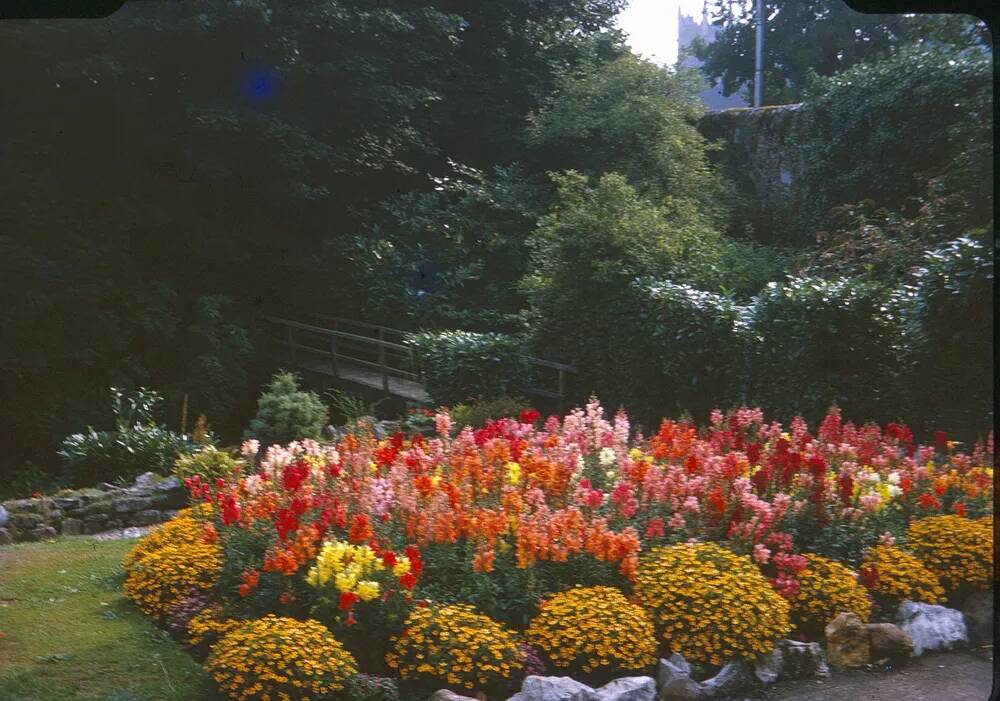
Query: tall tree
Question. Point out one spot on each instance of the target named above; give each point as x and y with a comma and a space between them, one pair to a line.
821, 37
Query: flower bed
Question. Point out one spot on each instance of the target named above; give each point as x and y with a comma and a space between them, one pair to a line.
391, 544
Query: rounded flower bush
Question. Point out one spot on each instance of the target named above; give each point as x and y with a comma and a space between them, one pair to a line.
710, 604
280, 659
161, 578
594, 628
827, 588
188, 526
892, 575
454, 645
207, 626
957, 549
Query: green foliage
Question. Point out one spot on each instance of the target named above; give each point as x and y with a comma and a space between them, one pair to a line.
883, 130
286, 413
949, 307
210, 463
477, 413
136, 445
820, 341
698, 343
634, 118
814, 37
587, 251
459, 364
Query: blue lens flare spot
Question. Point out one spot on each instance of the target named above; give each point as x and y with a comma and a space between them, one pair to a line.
260, 86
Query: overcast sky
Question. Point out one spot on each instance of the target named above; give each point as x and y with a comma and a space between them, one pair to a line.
651, 26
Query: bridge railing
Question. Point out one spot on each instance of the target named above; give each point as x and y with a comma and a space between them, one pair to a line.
383, 349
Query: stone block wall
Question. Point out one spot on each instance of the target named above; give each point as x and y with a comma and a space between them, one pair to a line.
151, 499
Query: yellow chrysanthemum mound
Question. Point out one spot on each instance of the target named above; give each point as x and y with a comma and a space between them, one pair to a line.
454, 645
186, 527
710, 604
594, 628
209, 625
957, 549
898, 575
162, 577
827, 588
280, 659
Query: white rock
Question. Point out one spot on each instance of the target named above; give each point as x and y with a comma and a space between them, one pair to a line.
448, 695
931, 627
628, 689
537, 688
767, 668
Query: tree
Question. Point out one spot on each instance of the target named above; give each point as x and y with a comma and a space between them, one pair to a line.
815, 37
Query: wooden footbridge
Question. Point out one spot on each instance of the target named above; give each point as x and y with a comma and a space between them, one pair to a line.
376, 356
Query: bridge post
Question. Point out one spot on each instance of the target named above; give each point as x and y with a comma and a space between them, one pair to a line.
381, 361
291, 343
333, 356
562, 390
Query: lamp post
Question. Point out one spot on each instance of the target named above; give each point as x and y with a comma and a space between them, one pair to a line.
758, 80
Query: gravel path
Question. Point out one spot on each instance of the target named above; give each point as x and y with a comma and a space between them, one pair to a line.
960, 675
119, 533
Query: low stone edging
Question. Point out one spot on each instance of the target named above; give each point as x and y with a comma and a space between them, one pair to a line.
151, 499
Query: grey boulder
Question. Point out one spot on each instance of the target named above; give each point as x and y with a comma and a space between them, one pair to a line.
978, 614
931, 627
535, 688
628, 689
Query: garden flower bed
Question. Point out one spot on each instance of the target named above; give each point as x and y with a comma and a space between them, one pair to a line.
469, 559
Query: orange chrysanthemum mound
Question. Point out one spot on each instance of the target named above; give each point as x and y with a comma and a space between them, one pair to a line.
827, 588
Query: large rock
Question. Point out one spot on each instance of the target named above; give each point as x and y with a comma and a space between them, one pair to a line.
6, 538
68, 503
931, 627
72, 526
25, 520
537, 688
733, 678
125, 505
802, 660
888, 640
628, 689
447, 695
978, 614
3, 516
847, 642
147, 480
169, 484
146, 517
673, 677
39, 534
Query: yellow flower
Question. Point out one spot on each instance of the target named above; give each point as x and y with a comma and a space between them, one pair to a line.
368, 590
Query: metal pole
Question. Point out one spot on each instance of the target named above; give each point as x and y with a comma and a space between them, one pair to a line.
758, 80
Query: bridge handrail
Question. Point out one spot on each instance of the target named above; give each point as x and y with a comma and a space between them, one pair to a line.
339, 334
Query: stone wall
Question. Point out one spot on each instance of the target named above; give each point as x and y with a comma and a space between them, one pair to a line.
152, 499
756, 155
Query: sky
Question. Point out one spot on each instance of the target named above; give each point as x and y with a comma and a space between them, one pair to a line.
651, 26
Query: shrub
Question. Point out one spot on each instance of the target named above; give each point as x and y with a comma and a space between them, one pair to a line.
280, 658
209, 464
821, 341
158, 580
458, 364
136, 445
956, 549
286, 413
704, 341
892, 575
478, 413
592, 629
826, 588
454, 645
950, 309
709, 604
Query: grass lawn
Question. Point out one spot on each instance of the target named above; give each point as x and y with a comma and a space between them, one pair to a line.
69, 633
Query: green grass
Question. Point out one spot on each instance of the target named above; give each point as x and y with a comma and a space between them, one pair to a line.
70, 635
